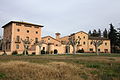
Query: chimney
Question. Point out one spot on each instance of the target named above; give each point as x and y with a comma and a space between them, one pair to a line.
57, 36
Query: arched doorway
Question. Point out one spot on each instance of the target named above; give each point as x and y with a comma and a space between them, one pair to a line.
55, 51
67, 49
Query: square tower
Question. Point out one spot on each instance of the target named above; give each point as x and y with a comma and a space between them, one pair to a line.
14, 31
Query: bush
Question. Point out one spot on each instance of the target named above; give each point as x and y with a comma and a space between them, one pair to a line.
51, 52
93, 65
14, 53
2, 75
4, 54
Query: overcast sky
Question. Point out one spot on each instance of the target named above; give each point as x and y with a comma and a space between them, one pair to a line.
64, 16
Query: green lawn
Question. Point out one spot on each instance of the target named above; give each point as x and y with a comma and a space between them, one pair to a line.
61, 67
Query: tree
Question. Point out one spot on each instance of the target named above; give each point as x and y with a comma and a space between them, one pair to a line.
89, 33
39, 43
95, 33
67, 43
105, 33
26, 44
113, 38
118, 41
99, 33
1, 42
97, 43
73, 42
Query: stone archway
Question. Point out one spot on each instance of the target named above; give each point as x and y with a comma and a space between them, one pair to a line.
55, 51
67, 49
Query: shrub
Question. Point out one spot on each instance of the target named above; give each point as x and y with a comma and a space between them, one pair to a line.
2, 75
51, 52
14, 53
93, 65
4, 54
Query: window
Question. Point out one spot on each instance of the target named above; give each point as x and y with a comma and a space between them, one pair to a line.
78, 36
106, 50
98, 49
91, 49
36, 40
27, 38
18, 38
43, 48
36, 32
18, 24
91, 43
9, 46
84, 43
84, 37
6, 46
17, 46
27, 25
105, 43
56, 44
36, 26
18, 30
27, 31
48, 38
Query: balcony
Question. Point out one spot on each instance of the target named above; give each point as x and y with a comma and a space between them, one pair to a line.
17, 41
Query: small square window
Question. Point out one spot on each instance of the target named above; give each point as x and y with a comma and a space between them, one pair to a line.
84, 43
27, 38
91, 49
27, 31
17, 46
18, 24
36, 40
36, 32
18, 30
48, 38
105, 43
98, 49
27, 25
36, 26
106, 50
91, 43
18, 38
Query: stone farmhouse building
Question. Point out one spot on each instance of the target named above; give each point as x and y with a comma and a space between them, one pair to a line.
15, 32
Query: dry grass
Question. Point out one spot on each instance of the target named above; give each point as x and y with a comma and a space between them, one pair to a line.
19, 70
59, 67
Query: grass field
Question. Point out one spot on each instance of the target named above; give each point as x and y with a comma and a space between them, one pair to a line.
60, 67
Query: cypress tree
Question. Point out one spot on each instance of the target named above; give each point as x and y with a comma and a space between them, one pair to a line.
99, 33
89, 33
113, 38
105, 33
94, 34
